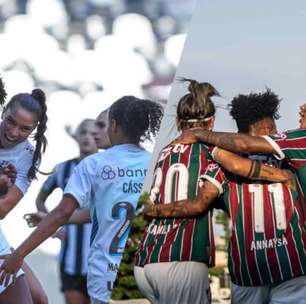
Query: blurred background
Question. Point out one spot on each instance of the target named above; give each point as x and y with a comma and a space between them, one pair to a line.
84, 55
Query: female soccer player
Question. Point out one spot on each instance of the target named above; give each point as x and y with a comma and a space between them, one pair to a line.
267, 260
173, 259
21, 116
75, 243
109, 183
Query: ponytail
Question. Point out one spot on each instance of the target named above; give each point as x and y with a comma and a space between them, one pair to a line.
196, 106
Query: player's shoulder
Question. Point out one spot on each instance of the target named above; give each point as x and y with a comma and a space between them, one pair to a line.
290, 134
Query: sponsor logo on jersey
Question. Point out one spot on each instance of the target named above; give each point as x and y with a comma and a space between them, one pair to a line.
270, 243
179, 148
109, 172
160, 229
280, 135
212, 167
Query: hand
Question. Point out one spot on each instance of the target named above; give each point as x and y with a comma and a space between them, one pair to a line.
5, 183
33, 219
302, 114
149, 211
9, 268
188, 137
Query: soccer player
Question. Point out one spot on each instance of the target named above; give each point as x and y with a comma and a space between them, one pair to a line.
267, 259
109, 183
75, 242
23, 114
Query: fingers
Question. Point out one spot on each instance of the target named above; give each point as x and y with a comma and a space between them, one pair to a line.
31, 219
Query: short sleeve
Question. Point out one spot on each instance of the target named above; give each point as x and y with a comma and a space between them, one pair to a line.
215, 175
290, 145
80, 184
51, 182
23, 165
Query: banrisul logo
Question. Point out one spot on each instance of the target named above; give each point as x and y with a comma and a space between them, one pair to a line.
108, 173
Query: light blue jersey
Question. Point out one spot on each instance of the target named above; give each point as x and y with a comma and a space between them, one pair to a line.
109, 183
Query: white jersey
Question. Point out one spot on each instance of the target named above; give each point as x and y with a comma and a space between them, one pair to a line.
21, 157
109, 183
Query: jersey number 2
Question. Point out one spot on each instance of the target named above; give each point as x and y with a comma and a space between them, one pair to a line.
118, 243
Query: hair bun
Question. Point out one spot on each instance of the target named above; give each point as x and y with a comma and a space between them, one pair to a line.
208, 89
39, 95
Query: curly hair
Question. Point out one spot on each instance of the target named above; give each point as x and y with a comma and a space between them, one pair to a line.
196, 108
35, 103
139, 118
248, 109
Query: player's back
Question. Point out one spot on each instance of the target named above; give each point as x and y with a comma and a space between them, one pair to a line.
118, 176
268, 240
176, 177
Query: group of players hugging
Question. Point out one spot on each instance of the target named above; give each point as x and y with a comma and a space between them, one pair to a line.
256, 176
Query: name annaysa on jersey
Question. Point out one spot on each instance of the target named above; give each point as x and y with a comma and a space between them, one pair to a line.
270, 243
133, 185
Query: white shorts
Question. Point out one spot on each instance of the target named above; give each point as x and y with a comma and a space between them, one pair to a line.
174, 282
291, 291
6, 249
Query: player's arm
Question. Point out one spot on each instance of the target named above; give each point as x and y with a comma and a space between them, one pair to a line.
185, 208
10, 200
46, 228
229, 141
80, 216
41, 200
250, 168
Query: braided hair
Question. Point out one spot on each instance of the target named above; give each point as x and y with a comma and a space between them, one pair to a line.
139, 118
248, 109
196, 108
34, 103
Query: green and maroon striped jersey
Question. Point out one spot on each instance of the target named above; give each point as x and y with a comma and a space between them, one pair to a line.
268, 242
191, 239
291, 145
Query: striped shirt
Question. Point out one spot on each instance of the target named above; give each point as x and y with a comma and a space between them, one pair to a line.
268, 242
75, 247
291, 145
191, 239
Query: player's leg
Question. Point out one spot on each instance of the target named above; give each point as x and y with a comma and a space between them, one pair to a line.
291, 291
17, 293
37, 292
143, 284
74, 288
250, 295
179, 282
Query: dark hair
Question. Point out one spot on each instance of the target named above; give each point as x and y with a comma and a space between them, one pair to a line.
35, 103
138, 118
248, 109
2, 93
196, 107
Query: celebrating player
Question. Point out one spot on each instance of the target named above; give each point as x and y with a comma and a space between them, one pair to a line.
21, 116
267, 260
109, 183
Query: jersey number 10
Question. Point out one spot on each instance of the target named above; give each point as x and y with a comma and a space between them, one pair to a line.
182, 174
